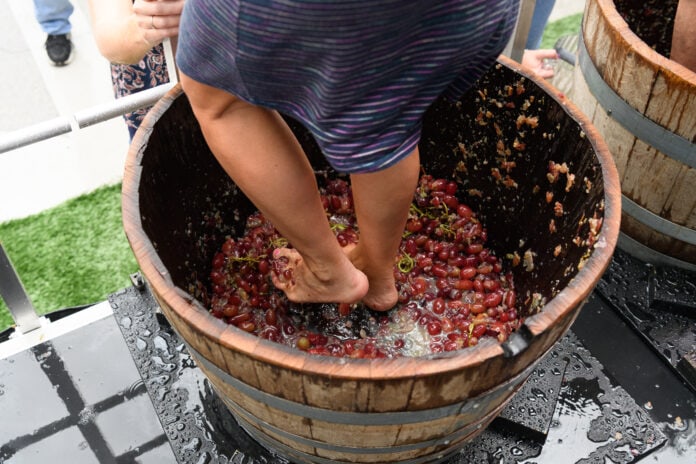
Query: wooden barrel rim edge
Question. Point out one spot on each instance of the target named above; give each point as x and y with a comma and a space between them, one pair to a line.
574, 294
614, 18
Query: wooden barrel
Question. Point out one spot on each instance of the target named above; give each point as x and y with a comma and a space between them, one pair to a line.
644, 105
179, 205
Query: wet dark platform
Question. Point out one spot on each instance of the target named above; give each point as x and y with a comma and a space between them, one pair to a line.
124, 389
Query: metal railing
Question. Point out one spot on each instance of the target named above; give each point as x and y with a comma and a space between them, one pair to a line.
16, 298
85, 118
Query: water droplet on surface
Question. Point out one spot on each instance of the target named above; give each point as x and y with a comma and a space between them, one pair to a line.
678, 425
193, 445
162, 394
539, 394
126, 322
160, 344
203, 459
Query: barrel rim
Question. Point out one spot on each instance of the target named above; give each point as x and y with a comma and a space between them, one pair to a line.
199, 320
614, 18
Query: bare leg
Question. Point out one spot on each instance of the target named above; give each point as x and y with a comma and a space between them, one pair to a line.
684, 35
382, 200
260, 153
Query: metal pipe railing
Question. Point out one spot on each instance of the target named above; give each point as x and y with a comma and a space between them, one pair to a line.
89, 117
81, 119
515, 48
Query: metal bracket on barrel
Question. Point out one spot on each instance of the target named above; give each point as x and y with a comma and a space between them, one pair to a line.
517, 342
656, 222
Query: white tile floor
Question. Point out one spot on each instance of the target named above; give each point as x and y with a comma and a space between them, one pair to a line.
47, 173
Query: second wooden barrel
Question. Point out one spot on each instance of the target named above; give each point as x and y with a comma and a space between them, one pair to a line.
644, 105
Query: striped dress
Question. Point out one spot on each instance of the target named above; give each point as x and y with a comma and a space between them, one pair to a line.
358, 74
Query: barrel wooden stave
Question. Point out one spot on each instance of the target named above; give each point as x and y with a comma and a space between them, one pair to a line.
673, 98
379, 443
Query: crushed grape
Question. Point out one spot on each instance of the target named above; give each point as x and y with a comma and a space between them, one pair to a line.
453, 290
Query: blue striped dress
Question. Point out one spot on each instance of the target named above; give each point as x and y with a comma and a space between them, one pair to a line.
358, 74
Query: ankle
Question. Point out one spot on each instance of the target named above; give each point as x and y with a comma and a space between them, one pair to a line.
328, 272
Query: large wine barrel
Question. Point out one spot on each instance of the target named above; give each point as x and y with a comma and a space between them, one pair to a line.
179, 205
644, 105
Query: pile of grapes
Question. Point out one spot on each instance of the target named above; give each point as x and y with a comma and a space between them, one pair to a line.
452, 289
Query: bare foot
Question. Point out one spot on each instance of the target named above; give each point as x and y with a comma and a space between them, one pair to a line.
382, 294
339, 284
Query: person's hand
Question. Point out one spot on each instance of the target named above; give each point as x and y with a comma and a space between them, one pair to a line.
537, 61
158, 19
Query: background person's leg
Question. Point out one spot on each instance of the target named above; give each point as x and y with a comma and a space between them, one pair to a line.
542, 11
54, 18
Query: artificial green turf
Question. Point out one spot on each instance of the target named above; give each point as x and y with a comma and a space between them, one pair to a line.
71, 255
556, 29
